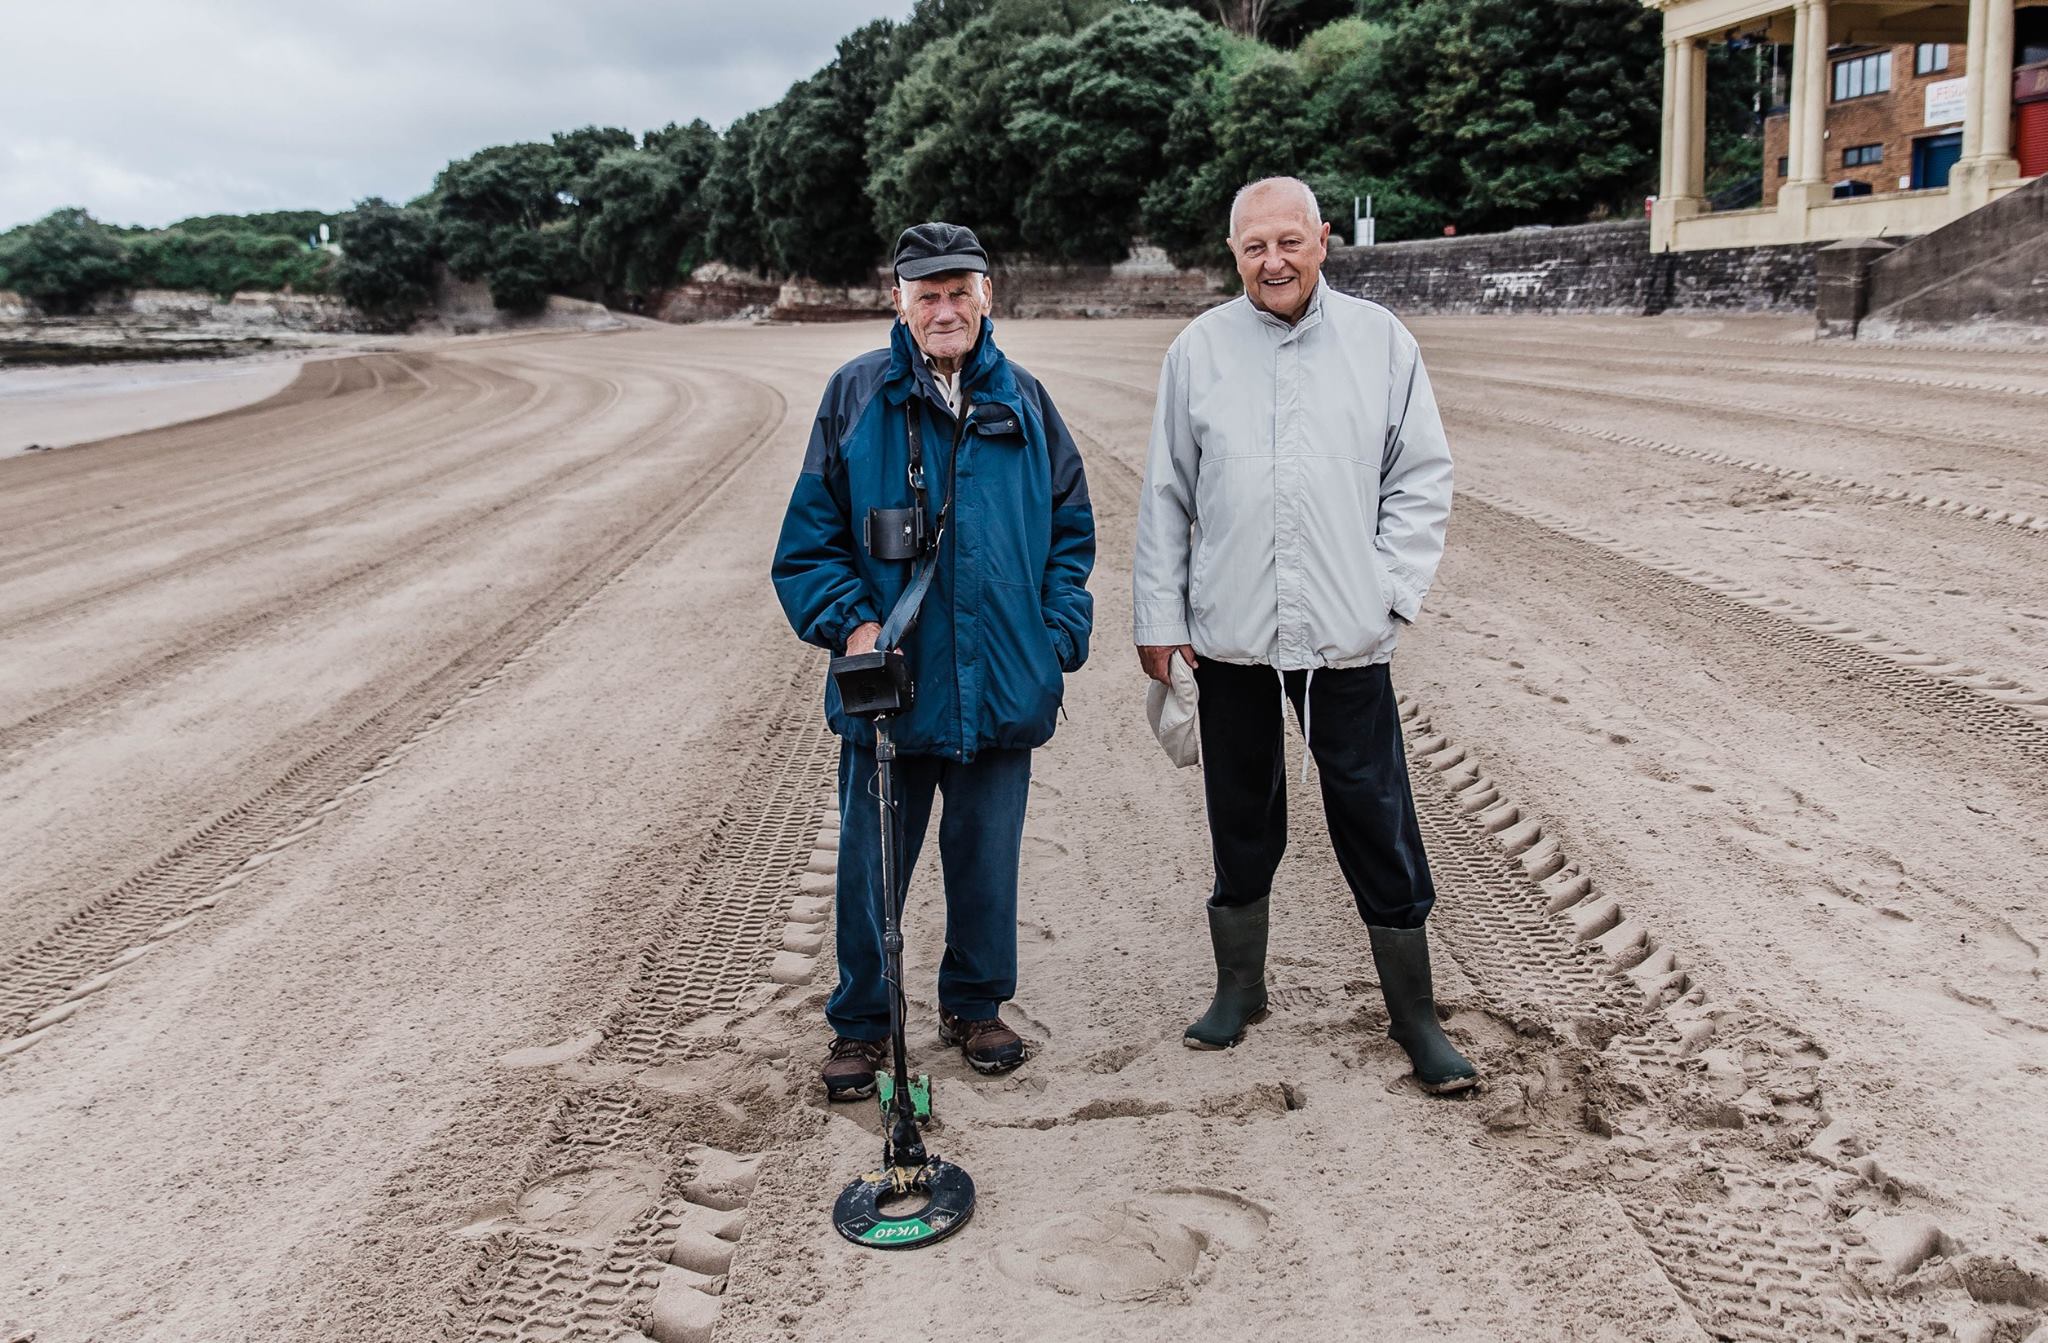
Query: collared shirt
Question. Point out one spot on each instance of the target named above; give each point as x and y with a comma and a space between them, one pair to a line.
948, 385
1296, 488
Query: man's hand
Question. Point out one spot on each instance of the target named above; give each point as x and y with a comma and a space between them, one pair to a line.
1157, 660
862, 640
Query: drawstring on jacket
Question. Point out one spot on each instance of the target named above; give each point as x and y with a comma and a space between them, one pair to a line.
1308, 681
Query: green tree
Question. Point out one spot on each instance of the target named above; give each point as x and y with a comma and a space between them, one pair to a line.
1247, 118
733, 232
1738, 91
939, 146
584, 146
64, 262
808, 165
643, 214
299, 224
507, 218
1092, 111
529, 264
226, 262
1550, 113
1282, 22
1365, 76
387, 267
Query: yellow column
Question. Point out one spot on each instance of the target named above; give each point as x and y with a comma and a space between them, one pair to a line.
1796, 167
1973, 82
1664, 179
1996, 141
1686, 110
1696, 124
1813, 118
1805, 140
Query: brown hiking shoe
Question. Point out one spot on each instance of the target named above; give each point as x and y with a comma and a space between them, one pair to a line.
988, 1044
849, 1071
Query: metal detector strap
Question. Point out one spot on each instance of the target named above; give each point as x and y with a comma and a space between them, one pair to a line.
905, 611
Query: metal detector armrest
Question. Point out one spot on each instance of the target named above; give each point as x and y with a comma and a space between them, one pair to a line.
874, 683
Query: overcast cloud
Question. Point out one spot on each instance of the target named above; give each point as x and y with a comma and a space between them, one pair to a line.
144, 111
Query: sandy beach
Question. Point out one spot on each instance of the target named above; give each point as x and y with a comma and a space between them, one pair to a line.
418, 845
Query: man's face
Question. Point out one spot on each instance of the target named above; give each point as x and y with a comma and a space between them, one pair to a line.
944, 312
1279, 252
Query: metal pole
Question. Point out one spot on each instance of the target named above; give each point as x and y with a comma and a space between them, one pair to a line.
904, 1147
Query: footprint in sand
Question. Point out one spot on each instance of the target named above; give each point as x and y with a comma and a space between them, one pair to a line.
1158, 1248
2007, 949
593, 1206
1042, 854
1114, 1059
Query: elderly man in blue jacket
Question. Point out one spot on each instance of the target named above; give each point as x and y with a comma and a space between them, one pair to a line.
1007, 616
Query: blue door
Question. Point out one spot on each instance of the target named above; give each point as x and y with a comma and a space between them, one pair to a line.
1933, 157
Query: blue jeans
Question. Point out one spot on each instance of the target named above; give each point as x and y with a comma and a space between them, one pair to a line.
981, 836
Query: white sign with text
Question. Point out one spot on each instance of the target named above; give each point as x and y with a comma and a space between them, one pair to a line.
1945, 102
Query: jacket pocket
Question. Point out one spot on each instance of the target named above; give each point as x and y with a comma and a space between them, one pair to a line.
1021, 678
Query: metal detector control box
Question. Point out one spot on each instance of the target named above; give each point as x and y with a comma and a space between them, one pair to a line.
874, 683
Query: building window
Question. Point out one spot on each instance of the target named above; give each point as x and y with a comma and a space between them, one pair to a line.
1861, 76
1784, 162
1930, 58
1856, 156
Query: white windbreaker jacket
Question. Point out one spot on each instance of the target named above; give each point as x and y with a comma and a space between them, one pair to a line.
1296, 489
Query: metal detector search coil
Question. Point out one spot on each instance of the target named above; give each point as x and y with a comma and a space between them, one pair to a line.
948, 1202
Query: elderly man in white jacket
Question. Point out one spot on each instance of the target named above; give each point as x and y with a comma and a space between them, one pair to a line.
1292, 518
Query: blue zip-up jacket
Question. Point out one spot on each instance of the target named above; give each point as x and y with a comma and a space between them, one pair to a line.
1008, 613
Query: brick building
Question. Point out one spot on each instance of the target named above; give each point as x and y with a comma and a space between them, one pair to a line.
1901, 116
1894, 121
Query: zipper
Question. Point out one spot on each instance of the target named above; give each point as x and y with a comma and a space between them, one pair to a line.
960, 513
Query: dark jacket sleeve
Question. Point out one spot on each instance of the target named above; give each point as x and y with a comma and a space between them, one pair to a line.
821, 590
1069, 609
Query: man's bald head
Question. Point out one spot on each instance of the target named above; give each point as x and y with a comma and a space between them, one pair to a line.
1280, 242
1269, 193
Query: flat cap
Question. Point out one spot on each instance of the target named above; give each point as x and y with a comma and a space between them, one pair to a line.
936, 248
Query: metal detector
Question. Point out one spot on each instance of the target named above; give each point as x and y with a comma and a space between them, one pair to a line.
877, 686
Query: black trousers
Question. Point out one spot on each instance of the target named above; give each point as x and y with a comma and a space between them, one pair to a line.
1354, 731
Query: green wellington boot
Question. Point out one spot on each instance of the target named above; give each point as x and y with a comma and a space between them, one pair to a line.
1239, 936
1402, 955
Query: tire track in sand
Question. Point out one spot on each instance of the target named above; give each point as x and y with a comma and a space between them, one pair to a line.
1633, 356
1964, 698
636, 1114
1705, 1119
178, 452
34, 561
1737, 1177
74, 602
2031, 524
239, 628
2020, 447
1970, 699
47, 984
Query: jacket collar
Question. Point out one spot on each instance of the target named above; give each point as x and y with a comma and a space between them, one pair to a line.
1311, 318
985, 376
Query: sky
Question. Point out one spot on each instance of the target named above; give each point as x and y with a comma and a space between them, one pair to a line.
145, 112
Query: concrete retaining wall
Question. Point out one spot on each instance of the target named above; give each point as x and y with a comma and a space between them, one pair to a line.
1588, 268
1987, 271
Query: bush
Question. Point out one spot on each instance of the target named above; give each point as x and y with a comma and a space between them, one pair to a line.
387, 268
65, 262
224, 263
508, 218
1090, 115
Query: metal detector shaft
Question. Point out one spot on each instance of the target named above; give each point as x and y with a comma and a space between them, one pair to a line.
904, 1147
